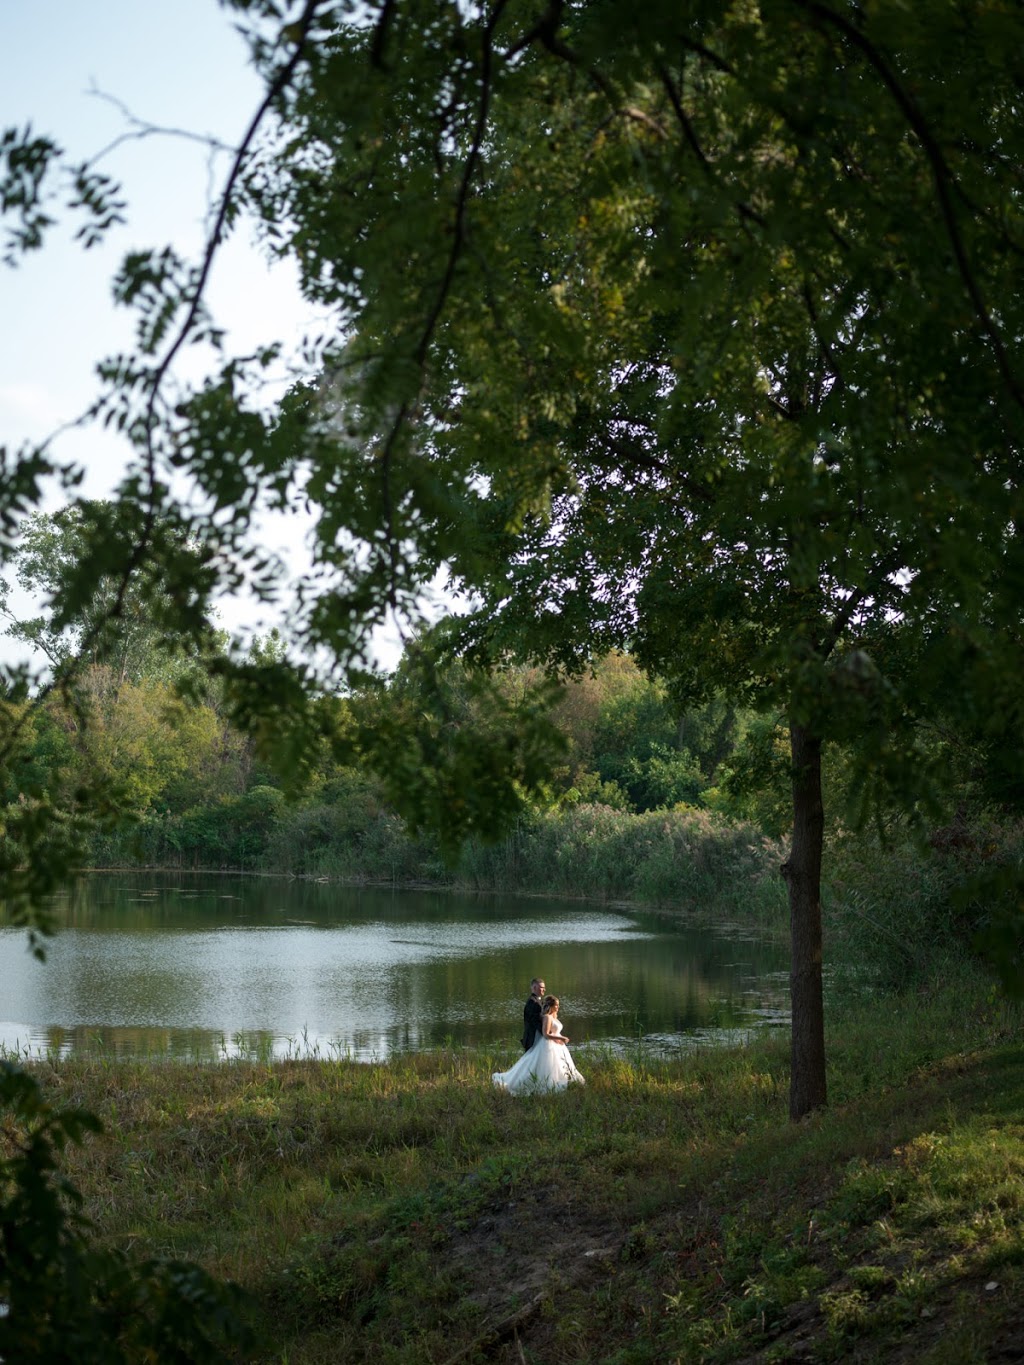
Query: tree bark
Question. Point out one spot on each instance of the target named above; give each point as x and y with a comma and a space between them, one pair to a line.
802, 872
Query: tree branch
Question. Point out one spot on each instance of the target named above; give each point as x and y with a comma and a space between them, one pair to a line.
886, 566
630, 111
142, 129
683, 118
380, 34
942, 176
276, 87
643, 460
544, 31
826, 345
65, 674
434, 316
744, 209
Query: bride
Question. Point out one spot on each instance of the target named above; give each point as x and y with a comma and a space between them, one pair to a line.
548, 1065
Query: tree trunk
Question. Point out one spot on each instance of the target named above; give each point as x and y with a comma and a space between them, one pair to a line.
803, 877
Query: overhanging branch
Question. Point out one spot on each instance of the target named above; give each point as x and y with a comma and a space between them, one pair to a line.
943, 178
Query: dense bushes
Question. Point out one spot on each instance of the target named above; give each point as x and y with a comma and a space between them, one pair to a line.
678, 857
68, 1298
673, 857
233, 832
899, 912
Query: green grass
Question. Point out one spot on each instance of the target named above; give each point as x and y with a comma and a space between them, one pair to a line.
669, 1211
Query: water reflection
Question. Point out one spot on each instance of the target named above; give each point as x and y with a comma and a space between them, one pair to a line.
208, 968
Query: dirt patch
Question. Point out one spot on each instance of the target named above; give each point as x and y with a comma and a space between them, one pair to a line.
516, 1256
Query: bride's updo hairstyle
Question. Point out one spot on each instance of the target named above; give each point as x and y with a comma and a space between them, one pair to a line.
548, 1003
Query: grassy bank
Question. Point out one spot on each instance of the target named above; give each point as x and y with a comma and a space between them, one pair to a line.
667, 1212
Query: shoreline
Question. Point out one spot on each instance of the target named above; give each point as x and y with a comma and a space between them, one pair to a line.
675, 910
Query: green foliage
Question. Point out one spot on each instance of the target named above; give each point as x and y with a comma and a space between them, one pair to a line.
665, 778
66, 1297
39, 748
687, 858
348, 831
235, 832
901, 914
45, 827
756, 781
98, 602
637, 748
750, 404
455, 753
590, 789
747, 461
28, 165
630, 745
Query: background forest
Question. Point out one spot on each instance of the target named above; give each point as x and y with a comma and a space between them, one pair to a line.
643, 800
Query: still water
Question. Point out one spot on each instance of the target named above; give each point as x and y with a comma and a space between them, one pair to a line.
203, 967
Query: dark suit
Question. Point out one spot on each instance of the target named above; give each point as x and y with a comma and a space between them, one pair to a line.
531, 1022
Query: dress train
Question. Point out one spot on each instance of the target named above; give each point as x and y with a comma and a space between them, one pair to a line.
547, 1066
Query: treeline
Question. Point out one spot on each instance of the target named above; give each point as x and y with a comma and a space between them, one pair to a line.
191, 790
645, 803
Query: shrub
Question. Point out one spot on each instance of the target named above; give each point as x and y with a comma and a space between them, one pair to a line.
69, 1300
679, 857
901, 912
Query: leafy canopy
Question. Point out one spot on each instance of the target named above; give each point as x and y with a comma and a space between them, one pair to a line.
693, 328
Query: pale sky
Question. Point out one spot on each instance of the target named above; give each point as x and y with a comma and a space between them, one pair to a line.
180, 65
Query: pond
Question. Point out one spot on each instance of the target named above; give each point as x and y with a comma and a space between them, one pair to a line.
205, 967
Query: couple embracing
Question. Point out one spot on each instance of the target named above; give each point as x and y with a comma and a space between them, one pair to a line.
546, 1063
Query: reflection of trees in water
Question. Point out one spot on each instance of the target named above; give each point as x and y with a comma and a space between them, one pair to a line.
654, 968
337, 971
165, 1044
142, 900
665, 984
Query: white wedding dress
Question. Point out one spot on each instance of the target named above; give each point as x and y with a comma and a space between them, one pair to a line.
547, 1066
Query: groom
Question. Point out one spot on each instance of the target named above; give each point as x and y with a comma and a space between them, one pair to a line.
531, 1012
